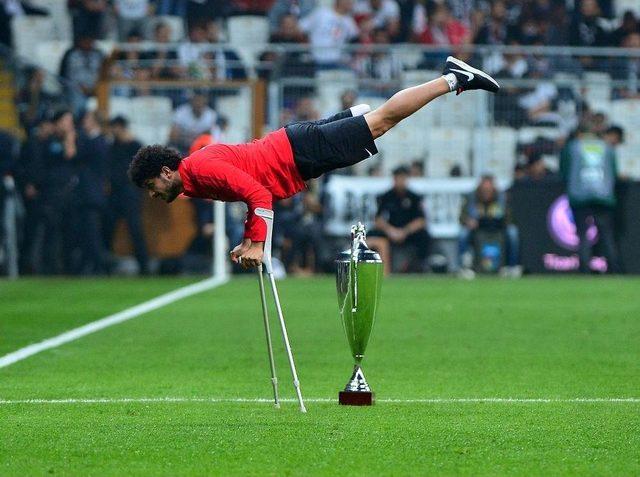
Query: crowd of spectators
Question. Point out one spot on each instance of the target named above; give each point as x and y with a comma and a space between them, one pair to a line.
68, 228
72, 178
328, 26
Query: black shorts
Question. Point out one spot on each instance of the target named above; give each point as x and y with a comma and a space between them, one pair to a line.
326, 145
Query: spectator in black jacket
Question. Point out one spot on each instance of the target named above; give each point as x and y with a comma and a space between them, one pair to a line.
91, 193
58, 189
88, 16
587, 30
30, 178
34, 103
125, 200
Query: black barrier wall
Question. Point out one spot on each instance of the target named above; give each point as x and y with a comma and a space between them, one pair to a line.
547, 232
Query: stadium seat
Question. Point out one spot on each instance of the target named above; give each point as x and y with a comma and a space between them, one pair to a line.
446, 148
151, 110
49, 54
622, 6
345, 78
410, 57
455, 111
494, 151
28, 31
597, 87
248, 30
238, 111
330, 85
626, 112
59, 13
119, 106
105, 46
629, 161
530, 134
416, 77
149, 116
150, 135
176, 24
600, 106
373, 101
248, 34
399, 146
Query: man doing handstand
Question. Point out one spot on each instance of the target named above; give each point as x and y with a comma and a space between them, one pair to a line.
277, 166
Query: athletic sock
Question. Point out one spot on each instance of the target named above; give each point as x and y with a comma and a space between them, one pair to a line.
452, 81
360, 109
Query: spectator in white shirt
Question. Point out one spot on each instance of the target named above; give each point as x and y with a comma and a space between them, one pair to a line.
281, 8
191, 54
383, 14
131, 15
329, 29
190, 121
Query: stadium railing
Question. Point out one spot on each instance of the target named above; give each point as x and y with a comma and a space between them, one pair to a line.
478, 134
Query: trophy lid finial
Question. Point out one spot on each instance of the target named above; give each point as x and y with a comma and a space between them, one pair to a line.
358, 232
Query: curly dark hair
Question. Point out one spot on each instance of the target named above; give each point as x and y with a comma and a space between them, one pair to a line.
149, 161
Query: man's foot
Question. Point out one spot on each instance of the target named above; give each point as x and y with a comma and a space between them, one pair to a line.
467, 77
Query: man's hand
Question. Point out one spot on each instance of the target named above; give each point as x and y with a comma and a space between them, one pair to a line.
471, 223
248, 254
396, 235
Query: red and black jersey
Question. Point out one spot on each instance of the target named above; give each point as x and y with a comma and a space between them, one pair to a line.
255, 173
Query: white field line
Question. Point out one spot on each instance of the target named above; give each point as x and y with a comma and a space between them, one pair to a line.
111, 320
150, 400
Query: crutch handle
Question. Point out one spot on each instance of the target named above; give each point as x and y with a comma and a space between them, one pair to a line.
267, 216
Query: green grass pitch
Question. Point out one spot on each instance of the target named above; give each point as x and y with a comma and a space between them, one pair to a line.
560, 339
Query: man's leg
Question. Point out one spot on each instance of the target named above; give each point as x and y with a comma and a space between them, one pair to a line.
382, 246
580, 215
342, 142
604, 218
403, 104
357, 110
457, 76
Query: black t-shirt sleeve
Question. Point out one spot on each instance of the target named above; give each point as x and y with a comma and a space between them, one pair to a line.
383, 206
417, 211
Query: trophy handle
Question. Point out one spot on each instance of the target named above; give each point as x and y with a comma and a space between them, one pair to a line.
358, 234
353, 283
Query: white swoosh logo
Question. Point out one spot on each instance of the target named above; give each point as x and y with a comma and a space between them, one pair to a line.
368, 152
467, 73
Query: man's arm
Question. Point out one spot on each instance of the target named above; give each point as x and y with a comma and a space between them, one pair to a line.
232, 184
381, 223
415, 225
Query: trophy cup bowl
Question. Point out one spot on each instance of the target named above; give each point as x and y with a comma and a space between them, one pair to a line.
358, 282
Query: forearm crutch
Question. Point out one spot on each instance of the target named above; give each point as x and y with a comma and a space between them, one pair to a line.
265, 315
267, 216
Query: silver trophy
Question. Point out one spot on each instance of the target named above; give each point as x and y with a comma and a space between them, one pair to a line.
358, 281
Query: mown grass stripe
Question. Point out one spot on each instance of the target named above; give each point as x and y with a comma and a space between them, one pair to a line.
143, 400
107, 321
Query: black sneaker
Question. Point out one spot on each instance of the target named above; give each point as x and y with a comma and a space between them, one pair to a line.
469, 77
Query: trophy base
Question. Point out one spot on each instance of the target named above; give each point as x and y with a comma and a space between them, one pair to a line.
356, 398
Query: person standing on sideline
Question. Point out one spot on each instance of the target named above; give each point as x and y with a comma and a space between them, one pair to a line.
588, 166
91, 198
125, 200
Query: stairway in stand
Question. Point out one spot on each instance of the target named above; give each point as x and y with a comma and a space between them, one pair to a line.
8, 111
